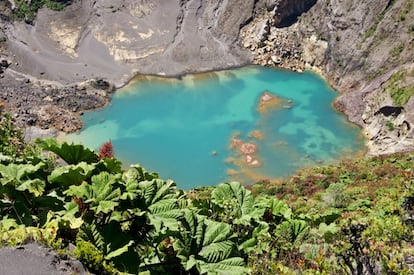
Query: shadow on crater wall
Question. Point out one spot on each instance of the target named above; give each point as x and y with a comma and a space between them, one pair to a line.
288, 12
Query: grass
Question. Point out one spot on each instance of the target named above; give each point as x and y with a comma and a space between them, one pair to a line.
397, 50
373, 28
376, 73
390, 126
406, 10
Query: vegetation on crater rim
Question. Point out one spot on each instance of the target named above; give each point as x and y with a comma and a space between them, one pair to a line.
27, 10
344, 218
397, 87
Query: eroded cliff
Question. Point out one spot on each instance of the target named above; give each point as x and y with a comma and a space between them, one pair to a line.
364, 48
116, 39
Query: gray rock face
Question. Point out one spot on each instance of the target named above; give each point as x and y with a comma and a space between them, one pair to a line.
36, 260
359, 46
117, 39
368, 42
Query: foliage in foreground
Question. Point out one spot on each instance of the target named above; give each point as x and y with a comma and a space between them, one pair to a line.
347, 219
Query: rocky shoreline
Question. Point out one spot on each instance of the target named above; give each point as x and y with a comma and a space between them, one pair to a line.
50, 107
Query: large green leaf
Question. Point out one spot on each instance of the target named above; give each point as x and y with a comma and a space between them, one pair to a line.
140, 174
292, 231
207, 245
217, 251
70, 153
237, 202
279, 209
35, 186
71, 174
163, 206
10, 174
111, 165
103, 187
166, 212
102, 195
7, 223
261, 231
106, 206
193, 232
15, 174
64, 220
230, 266
131, 186
216, 232
156, 190
191, 236
90, 233
119, 251
69, 215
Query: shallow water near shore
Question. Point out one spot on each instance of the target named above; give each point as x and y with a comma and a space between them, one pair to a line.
192, 130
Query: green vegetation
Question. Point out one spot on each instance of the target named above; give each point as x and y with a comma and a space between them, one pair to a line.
357, 215
12, 143
26, 10
406, 10
373, 28
368, 201
376, 73
397, 88
390, 125
397, 50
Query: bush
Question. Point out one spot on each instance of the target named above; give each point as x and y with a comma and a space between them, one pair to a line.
336, 195
27, 10
11, 139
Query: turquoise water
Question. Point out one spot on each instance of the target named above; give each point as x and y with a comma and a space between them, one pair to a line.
183, 128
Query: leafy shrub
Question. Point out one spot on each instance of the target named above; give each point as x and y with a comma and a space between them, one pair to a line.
90, 255
390, 126
12, 143
134, 222
336, 195
399, 92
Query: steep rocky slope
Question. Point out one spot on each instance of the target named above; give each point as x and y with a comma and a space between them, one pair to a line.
116, 39
110, 40
364, 49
